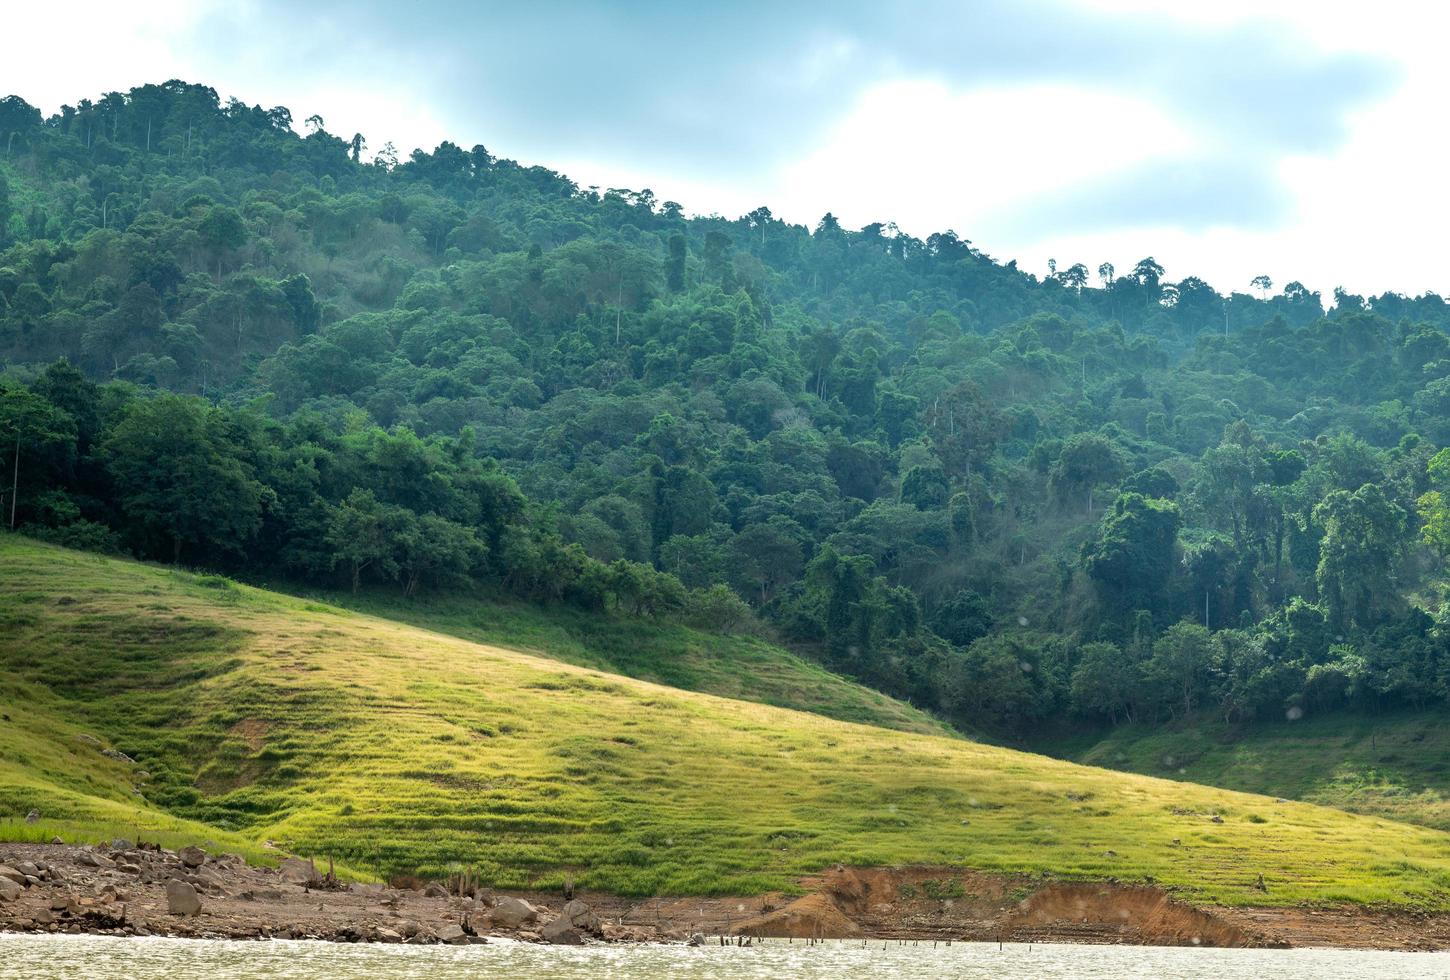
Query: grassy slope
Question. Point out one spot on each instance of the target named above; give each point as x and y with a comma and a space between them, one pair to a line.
390, 747
1395, 765
741, 667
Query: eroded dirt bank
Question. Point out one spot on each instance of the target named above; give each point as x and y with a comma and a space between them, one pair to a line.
146, 891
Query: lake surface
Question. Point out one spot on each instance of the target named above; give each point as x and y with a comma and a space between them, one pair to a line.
70, 957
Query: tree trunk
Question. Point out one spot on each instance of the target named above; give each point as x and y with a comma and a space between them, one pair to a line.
15, 482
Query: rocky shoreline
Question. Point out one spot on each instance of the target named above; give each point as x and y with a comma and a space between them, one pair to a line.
128, 889
143, 890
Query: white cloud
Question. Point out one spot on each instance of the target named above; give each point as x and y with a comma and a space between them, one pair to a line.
928, 158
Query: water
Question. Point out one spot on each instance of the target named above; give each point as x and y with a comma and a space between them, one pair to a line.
70, 957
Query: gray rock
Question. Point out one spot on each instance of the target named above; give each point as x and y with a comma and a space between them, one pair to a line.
93, 860
561, 932
386, 935
452, 934
181, 898
192, 857
13, 874
408, 928
9, 890
28, 868
698, 939
33, 817
582, 917
33, 813
435, 890
121, 844
510, 913
298, 871
90, 740
118, 756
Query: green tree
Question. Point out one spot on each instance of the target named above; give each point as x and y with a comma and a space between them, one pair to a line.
363, 532
1086, 462
1177, 674
1105, 682
182, 475
1132, 555
1363, 532
28, 422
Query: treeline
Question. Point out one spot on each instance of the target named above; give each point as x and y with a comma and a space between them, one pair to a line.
176, 478
1004, 497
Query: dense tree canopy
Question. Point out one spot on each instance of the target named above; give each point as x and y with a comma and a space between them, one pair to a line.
1002, 496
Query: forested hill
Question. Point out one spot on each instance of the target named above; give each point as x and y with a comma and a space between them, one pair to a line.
1003, 497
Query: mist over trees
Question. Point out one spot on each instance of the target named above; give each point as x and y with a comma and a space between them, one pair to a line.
1006, 498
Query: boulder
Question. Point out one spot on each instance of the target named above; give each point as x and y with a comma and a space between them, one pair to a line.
192, 857
582, 917
435, 890
14, 874
698, 939
53, 840
27, 868
9, 890
452, 933
561, 932
181, 898
93, 860
510, 913
121, 844
298, 871
385, 935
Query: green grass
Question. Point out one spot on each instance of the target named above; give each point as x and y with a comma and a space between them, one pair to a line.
387, 747
743, 667
1393, 765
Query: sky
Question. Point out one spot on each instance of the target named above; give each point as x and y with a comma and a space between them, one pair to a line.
1299, 140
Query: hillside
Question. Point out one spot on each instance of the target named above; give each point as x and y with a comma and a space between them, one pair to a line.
729, 665
340, 734
227, 345
1394, 765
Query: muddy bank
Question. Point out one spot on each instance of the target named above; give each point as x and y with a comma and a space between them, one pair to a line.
128, 890
934, 903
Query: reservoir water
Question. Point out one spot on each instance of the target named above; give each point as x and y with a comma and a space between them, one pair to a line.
48, 957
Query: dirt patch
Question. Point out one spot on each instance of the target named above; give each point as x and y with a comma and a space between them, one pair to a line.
1138, 915
252, 731
815, 916
929, 903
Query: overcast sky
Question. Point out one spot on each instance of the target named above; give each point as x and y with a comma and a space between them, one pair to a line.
1301, 140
